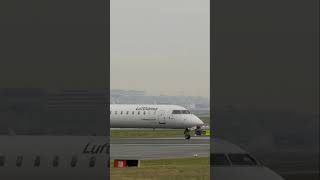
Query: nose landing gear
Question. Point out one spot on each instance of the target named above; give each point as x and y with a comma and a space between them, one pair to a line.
187, 133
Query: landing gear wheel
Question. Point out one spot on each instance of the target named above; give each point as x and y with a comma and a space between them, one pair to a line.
186, 133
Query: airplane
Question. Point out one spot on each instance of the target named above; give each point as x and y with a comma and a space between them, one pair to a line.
82, 157
228, 162
153, 116
54, 157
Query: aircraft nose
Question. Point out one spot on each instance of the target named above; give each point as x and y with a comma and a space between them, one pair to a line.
198, 121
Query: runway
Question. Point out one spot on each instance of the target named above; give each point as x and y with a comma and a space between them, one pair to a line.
158, 148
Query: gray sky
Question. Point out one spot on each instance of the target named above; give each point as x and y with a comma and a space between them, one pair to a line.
161, 46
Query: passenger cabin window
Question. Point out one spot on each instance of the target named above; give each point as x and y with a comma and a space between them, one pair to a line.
92, 162
37, 161
19, 161
2, 160
74, 161
55, 161
242, 159
219, 160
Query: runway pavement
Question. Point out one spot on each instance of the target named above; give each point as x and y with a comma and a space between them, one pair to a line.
159, 148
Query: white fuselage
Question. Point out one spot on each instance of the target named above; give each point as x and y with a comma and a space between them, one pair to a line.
54, 157
229, 162
151, 116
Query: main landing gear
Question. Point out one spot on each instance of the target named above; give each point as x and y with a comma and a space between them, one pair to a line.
187, 133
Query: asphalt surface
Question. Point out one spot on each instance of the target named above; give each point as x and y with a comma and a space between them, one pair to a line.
159, 148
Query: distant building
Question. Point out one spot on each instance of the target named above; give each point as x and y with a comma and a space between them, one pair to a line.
140, 97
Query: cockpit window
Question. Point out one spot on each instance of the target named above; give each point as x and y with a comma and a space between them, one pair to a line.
219, 160
180, 112
242, 159
185, 112
176, 112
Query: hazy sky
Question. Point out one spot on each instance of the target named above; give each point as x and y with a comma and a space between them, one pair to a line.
161, 46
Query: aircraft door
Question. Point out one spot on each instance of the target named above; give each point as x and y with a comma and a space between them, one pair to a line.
162, 119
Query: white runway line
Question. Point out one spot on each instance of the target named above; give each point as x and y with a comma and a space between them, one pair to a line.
159, 148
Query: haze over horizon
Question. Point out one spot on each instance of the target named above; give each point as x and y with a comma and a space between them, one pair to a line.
150, 94
161, 47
